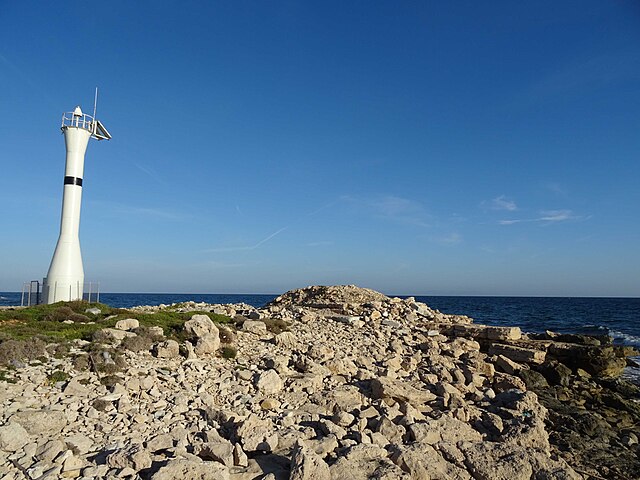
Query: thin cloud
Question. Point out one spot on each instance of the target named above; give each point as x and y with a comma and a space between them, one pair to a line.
547, 217
119, 209
555, 215
150, 173
501, 203
245, 248
511, 222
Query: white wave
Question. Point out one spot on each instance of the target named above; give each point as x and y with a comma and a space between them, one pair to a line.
625, 338
597, 327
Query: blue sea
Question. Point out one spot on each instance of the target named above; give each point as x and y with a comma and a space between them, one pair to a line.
618, 317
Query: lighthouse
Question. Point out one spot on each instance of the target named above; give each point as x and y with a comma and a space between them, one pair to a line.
65, 278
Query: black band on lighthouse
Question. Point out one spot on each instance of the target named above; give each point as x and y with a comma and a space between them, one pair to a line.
73, 181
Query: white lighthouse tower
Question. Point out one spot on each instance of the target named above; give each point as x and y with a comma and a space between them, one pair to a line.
65, 279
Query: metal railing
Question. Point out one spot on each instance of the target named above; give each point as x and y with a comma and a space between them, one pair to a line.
32, 293
70, 119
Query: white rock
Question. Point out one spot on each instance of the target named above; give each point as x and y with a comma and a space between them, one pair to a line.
168, 349
269, 382
208, 343
254, 326
127, 324
199, 326
13, 437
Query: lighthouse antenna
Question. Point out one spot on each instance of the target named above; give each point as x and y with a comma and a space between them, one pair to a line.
95, 107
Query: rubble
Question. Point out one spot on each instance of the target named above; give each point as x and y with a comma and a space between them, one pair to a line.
350, 385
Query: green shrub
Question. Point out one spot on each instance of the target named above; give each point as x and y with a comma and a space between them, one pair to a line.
137, 343
111, 380
5, 377
146, 332
229, 352
81, 363
276, 325
63, 313
21, 350
58, 376
226, 335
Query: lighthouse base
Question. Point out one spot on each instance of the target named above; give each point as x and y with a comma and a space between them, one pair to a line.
62, 290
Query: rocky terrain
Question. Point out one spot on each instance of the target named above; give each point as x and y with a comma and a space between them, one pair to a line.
323, 383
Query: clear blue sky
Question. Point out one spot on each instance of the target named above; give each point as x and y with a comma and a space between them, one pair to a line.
480, 148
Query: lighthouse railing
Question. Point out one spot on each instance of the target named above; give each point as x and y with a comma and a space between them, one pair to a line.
70, 119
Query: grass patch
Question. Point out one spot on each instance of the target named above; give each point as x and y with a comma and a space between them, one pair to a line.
46, 321
5, 378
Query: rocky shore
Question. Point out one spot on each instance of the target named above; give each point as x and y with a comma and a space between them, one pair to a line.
323, 383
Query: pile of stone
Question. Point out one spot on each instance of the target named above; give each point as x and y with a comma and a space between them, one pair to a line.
359, 386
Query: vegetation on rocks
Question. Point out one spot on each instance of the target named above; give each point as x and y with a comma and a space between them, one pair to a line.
24, 332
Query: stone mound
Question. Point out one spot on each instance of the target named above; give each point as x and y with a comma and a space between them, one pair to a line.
328, 296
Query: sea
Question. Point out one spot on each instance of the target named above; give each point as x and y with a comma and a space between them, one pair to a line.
617, 317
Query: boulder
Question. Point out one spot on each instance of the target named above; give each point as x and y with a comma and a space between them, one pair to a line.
199, 325
285, 340
127, 324
496, 461
518, 354
386, 387
168, 349
254, 326
13, 437
189, 469
423, 461
269, 382
307, 465
222, 451
111, 335
208, 343
40, 422
256, 434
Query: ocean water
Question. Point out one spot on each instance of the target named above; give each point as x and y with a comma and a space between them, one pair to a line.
617, 317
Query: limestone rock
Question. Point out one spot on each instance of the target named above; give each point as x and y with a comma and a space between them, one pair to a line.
307, 465
13, 437
222, 451
269, 382
285, 340
76, 389
127, 324
168, 349
423, 461
188, 469
199, 326
79, 443
40, 422
208, 343
518, 354
495, 461
257, 434
112, 335
254, 326
385, 387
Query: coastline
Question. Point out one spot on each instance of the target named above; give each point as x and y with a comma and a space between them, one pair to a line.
353, 381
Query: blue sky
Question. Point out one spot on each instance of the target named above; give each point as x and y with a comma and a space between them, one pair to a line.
439, 148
